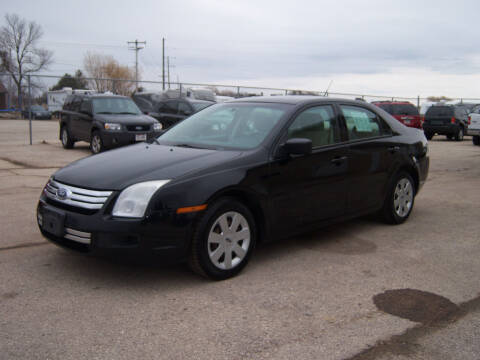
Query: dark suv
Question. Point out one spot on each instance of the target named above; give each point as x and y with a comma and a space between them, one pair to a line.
167, 110
105, 121
449, 120
403, 111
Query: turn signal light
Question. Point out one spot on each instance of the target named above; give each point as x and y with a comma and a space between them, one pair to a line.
190, 209
469, 120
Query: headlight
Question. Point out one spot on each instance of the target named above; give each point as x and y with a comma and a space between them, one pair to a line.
133, 201
112, 126
157, 126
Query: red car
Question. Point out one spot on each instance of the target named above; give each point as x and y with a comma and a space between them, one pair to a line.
403, 111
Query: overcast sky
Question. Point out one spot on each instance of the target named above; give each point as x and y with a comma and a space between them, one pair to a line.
397, 48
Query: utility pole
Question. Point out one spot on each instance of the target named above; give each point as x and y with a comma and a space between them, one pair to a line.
168, 68
136, 48
163, 63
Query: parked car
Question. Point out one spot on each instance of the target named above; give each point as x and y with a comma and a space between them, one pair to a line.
38, 112
449, 120
474, 126
403, 111
105, 121
236, 174
168, 111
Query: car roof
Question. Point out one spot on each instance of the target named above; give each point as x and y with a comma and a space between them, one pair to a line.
392, 102
297, 100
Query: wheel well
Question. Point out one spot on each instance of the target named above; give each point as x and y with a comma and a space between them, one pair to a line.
253, 205
413, 173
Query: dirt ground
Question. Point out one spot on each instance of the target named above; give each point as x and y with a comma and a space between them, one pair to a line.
310, 297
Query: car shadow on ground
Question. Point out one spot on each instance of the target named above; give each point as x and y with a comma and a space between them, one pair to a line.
139, 273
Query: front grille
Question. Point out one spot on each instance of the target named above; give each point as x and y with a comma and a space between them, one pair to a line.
138, 127
76, 197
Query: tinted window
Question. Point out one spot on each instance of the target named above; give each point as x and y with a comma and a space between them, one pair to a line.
404, 109
460, 112
363, 123
169, 107
143, 102
440, 111
317, 124
75, 104
184, 109
86, 106
387, 107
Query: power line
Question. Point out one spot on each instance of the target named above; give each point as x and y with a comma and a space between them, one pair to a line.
136, 48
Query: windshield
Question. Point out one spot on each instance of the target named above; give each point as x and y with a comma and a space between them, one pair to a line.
200, 106
115, 106
440, 111
37, 108
230, 126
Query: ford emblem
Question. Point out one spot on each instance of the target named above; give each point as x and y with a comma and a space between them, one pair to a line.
62, 194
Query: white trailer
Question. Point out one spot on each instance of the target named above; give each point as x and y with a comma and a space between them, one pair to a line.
55, 99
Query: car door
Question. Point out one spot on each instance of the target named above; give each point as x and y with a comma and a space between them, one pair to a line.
85, 118
311, 188
372, 152
75, 125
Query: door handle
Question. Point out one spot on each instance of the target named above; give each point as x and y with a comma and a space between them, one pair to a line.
394, 149
338, 160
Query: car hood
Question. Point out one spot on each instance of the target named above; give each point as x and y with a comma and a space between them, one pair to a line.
117, 169
126, 119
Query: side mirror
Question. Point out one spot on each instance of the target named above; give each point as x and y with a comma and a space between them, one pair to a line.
298, 146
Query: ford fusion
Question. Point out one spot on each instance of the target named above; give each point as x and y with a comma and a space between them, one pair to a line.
236, 174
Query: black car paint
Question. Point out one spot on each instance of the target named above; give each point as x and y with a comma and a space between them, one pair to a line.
442, 124
287, 194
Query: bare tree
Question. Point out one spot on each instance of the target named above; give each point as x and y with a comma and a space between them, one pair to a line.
100, 67
19, 53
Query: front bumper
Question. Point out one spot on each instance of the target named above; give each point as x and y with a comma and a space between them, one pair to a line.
163, 235
113, 139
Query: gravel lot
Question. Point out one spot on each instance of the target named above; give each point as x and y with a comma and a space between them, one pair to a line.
310, 297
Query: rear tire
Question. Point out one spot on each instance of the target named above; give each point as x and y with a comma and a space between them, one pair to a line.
67, 141
429, 136
476, 140
223, 240
449, 137
96, 143
459, 135
400, 199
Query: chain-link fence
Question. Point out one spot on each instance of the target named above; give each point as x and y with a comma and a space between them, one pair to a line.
36, 92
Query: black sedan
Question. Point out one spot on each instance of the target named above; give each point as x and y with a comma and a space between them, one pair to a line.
234, 175
38, 112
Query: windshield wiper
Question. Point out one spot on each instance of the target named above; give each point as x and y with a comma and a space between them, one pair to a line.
127, 112
188, 146
104, 112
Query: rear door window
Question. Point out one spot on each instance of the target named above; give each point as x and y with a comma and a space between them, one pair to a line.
362, 123
404, 109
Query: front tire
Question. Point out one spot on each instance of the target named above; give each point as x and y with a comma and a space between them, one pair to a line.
400, 199
96, 143
429, 136
476, 140
67, 141
223, 240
